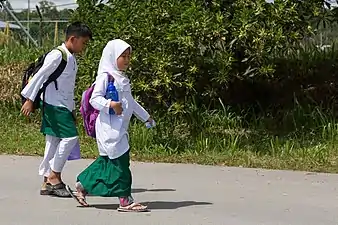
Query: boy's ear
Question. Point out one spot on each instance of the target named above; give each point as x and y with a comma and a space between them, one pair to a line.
71, 38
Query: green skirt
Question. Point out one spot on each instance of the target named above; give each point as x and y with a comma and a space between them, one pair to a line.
107, 177
58, 122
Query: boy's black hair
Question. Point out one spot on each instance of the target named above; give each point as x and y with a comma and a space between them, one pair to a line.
78, 29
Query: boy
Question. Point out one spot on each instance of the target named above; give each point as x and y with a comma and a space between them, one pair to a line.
58, 119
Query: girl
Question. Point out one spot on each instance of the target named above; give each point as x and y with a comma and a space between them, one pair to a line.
109, 175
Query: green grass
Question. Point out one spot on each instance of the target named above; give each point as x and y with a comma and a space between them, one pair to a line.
221, 139
305, 138
17, 53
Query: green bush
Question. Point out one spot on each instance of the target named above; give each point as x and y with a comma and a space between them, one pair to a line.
188, 53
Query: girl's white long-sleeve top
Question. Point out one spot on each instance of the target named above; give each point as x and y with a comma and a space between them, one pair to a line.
112, 130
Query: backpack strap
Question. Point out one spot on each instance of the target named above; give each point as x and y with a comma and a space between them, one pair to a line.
54, 76
110, 77
64, 54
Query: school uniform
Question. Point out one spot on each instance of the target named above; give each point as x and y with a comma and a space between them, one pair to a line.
109, 175
58, 124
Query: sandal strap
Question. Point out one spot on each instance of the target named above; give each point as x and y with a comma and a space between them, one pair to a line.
80, 196
57, 186
133, 205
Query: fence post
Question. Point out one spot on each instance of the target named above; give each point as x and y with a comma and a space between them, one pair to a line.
40, 24
56, 34
18, 22
7, 32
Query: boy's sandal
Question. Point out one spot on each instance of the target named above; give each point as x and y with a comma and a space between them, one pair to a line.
79, 198
58, 190
45, 192
133, 207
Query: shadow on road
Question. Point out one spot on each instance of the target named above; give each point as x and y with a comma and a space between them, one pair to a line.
140, 190
155, 205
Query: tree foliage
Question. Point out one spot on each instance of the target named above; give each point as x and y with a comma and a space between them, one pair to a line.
191, 51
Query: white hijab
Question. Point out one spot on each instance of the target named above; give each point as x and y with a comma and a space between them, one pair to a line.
108, 63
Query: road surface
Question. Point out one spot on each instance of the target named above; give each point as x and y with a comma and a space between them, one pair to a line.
176, 194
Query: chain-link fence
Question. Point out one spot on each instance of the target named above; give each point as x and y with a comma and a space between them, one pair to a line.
34, 21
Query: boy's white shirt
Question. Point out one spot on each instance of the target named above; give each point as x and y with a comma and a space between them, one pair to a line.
64, 96
112, 130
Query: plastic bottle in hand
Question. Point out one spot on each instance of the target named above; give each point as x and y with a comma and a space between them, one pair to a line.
112, 94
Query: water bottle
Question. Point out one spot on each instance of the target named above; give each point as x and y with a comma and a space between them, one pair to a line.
112, 94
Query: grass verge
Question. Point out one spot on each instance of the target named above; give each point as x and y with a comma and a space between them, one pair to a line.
305, 138
224, 140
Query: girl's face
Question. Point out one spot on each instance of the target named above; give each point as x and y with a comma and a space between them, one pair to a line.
123, 60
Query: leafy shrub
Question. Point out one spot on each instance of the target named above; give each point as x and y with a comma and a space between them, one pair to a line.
188, 52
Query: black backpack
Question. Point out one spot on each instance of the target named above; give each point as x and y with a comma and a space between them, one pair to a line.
33, 68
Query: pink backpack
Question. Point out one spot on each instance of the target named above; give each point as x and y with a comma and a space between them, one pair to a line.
88, 112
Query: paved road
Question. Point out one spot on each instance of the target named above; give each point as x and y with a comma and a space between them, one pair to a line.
177, 194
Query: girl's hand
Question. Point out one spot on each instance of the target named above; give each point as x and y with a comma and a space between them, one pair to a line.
151, 122
117, 107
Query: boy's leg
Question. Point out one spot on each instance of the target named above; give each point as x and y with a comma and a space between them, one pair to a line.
55, 183
44, 169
